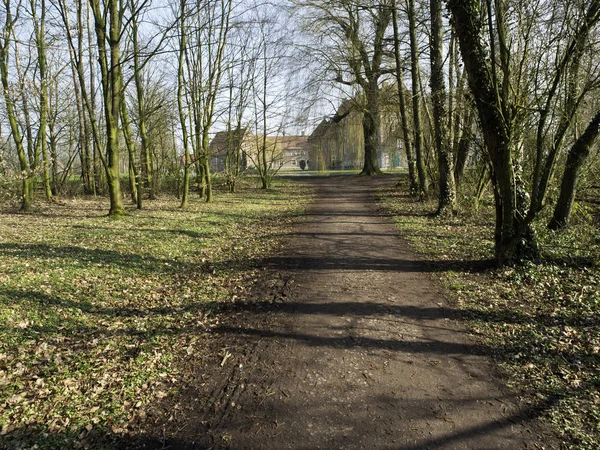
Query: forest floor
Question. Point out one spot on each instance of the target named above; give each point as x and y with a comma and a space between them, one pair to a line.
348, 342
329, 312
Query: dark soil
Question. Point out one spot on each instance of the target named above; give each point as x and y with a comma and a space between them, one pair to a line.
346, 343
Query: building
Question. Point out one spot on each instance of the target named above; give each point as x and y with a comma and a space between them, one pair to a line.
289, 152
227, 146
338, 142
295, 152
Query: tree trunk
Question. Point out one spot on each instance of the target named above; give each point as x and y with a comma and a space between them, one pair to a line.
134, 179
412, 175
416, 100
462, 145
206, 163
141, 106
112, 85
27, 182
371, 131
577, 156
86, 117
39, 30
180, 106
447, 194
510, 225
96, 150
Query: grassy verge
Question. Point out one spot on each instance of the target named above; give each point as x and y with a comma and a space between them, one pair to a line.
94, 312
542, 320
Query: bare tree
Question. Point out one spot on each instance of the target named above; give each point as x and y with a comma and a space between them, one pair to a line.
504, 75
402, 92
447, 188
28, 159
357, 29
203, 38
577, 156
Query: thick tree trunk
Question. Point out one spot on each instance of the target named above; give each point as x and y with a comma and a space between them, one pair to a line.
113, 170
577, 156
371, 132
28, 191
112, 85
511, 227
370, 167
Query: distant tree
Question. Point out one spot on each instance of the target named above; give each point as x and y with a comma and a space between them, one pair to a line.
355, 37
268, 50
204, 29
239, 73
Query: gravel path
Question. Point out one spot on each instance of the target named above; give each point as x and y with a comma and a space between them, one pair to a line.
364, 352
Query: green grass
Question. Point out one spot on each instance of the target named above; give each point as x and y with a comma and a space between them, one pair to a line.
94, 312
542, 319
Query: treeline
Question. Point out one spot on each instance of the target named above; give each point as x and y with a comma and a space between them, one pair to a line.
504, 89
501, 92
120, 97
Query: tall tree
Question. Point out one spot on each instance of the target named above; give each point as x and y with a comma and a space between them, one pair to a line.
108, 38
359, 29
39, 29
142, 110
181, 83
498, 80
447, 194
86, 116
406, 136
28, 159
416, 98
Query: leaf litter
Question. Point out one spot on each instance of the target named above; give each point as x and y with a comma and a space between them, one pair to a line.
97, 313
541, 320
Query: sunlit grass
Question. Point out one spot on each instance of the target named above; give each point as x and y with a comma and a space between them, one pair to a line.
94, 311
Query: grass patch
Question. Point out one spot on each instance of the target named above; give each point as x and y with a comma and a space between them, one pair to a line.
542, 320
95, 311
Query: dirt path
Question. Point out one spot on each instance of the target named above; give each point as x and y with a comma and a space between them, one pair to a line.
364, 353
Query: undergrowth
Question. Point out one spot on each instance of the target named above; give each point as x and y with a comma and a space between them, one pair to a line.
542, 319
94, 312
